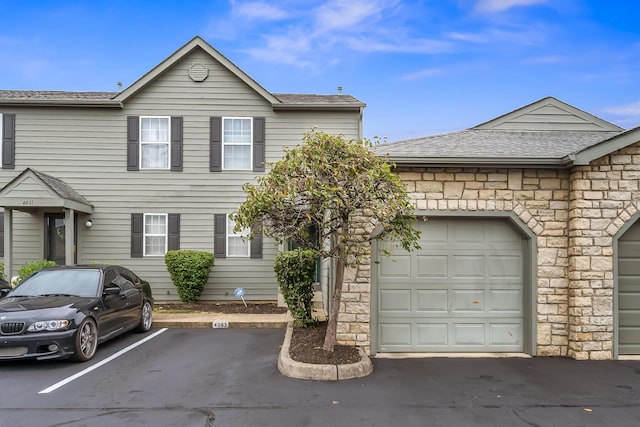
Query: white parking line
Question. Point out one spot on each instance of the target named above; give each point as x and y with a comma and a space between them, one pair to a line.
99, 364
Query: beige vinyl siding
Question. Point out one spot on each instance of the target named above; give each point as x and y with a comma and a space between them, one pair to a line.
87, 149
29, 247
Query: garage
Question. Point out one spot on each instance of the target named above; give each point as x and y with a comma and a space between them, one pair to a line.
464, 291
629, 291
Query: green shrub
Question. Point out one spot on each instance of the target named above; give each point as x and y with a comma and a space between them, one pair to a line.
295, 271
189, 271
2, 270
30, 268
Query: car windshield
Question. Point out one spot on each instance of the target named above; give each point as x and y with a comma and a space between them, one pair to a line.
82, 283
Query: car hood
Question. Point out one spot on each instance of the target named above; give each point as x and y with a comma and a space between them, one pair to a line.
57, 304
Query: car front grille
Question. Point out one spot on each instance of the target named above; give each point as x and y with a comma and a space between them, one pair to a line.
11, 328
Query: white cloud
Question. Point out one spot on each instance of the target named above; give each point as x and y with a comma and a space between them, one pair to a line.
259, 11
322, 34
347, 15
288, 49
632, 109
422, 74
325, 32
547, 59
525, 36
362, 44
502, 5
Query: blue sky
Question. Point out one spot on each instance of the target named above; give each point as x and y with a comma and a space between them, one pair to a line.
423, 67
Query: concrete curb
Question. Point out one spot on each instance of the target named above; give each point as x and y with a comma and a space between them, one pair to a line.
219, 320
308, 371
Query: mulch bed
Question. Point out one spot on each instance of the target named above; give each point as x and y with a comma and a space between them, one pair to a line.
306, 347
306, 343
221, 307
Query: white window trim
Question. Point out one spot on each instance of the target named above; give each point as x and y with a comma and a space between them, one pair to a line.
231, 234
168, 143
224, 144
144, 233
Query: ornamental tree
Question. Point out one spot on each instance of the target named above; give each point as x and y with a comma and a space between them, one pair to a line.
334, 196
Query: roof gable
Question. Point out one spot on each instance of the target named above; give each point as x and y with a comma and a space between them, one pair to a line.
546, 133
196, 42
548, 114
33, 189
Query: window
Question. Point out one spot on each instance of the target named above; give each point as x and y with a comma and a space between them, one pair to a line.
1, 129
123, 283
237, 243
227, 244
155, 234
236, 143
154, 142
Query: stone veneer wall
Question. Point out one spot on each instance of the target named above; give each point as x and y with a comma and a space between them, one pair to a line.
603, 197
540, 198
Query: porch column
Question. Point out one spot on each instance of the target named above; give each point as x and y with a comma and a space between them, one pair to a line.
8, 243
69, 236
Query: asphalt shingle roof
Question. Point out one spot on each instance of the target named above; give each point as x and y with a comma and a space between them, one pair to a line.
55, 95
64, 96
496, 144
61, 188
292, 98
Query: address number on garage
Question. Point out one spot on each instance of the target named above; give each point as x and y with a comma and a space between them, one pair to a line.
218, 324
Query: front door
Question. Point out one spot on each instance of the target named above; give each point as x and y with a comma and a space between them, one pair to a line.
54, 238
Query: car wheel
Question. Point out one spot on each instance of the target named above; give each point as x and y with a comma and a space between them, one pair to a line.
86, 341
146, 317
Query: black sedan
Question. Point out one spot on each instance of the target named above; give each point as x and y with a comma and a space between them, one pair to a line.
67, 311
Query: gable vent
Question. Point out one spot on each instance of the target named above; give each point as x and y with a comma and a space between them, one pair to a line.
198, 72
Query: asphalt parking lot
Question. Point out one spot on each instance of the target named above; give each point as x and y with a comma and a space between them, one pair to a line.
229, 377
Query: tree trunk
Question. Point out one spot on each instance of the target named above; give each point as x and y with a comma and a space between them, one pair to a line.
332, 326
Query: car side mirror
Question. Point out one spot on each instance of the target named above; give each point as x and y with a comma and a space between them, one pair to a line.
4, 292
112, 290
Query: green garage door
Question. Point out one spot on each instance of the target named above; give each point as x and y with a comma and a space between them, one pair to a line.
629, 291
462, 292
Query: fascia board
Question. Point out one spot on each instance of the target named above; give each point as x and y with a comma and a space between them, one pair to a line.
609, 146
334, 107
475, 161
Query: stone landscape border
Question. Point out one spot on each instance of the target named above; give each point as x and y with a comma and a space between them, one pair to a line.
309, 371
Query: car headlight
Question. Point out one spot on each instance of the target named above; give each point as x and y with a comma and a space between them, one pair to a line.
48, 325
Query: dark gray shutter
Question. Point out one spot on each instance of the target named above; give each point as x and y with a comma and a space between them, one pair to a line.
220, 235
258, 144
176, 144
174, 232
215, 144
256, 242
137, 235
8, 141
2, 234
133, 143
